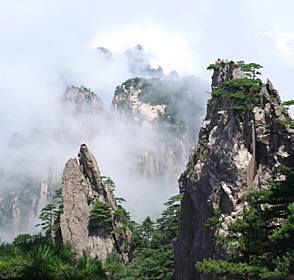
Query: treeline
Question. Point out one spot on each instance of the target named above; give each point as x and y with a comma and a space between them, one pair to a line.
45, 256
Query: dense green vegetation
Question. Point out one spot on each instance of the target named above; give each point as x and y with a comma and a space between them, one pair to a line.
153, 254
46, 257
213, 66
38, 257
100, 217
262, 240
243, 93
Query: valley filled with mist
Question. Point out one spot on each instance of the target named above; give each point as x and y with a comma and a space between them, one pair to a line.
146, 140
144, 154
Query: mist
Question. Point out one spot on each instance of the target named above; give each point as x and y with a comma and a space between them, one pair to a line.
40, 131
48, 46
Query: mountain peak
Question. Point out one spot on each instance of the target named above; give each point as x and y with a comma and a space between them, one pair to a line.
244, 137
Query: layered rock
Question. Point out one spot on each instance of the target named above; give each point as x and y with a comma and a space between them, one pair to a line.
82, 189
237, 150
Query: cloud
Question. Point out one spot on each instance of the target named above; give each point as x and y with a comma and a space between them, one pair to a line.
166, 47
46, 46
285, 44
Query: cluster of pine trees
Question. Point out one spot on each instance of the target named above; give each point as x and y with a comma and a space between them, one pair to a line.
45, 256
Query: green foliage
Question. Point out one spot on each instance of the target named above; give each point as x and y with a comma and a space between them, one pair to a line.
120, 200
108, 181
190, 166
118, 90
153, 243
215, 219
267, 127
287, 121
122, 214
90, 200
135, 83
100, 217
243, 93
50, 215
250, 70
213, 66
37, 257
128, 83
262, 241
288, 103
181, 107
201, 157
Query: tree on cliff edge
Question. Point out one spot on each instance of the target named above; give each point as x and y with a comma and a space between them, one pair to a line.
262, 241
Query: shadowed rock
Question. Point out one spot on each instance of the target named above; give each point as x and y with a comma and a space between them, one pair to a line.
236, 151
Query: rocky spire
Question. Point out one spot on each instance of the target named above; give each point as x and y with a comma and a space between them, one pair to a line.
82, 189
237, 150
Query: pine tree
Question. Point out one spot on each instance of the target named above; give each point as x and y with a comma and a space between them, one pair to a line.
262, 241
250, 70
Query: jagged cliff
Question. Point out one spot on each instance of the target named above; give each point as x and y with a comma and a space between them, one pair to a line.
162, 107
83, 191
238, 148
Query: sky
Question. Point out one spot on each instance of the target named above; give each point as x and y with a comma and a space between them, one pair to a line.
48, 45
46, 41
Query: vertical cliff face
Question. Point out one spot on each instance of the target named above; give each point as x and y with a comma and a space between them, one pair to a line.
23, 198
82, 191
237, 149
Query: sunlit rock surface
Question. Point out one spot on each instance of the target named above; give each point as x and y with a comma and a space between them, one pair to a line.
81, 188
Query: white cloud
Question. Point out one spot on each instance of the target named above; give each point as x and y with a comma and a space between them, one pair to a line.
285, 44
167, 48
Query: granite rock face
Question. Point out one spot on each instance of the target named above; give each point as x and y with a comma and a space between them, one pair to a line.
160, 109
234, 153
82, 187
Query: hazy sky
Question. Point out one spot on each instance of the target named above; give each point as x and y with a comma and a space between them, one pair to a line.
42, 40
47, 45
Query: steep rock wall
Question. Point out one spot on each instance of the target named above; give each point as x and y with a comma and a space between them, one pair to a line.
82, 187
234, 153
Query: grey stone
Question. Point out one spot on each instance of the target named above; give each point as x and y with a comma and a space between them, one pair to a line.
241, 153
81, 188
